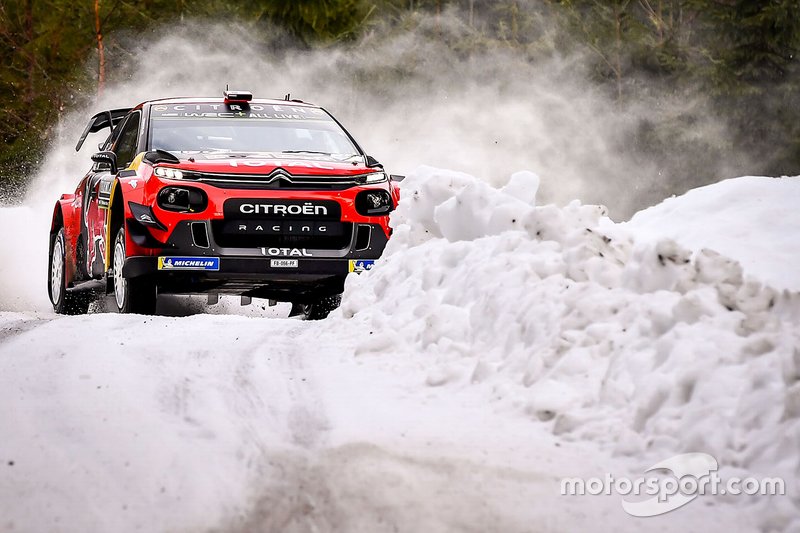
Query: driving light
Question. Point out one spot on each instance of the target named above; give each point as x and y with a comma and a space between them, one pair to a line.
375, 177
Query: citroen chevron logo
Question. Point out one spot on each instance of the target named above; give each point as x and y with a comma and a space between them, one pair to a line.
279, 174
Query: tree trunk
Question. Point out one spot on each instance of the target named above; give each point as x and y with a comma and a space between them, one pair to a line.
101, 55
514, 22
29, 93
618, 49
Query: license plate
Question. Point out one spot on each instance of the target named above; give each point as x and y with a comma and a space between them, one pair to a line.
283, 263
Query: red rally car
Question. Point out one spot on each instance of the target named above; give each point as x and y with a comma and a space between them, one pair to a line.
260, 198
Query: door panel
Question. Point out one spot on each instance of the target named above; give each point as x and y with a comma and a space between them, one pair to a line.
97, 192
94, 221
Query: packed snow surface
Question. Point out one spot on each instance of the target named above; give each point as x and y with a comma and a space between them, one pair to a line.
753, 220
497, 347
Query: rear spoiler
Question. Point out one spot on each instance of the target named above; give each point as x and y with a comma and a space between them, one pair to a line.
104, 119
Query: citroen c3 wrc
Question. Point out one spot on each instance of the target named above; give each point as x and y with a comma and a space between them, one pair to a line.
255, 197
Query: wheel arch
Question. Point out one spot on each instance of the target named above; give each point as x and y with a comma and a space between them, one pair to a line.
57, 220
66, 216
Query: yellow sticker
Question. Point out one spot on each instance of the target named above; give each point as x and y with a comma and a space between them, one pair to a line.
361, 265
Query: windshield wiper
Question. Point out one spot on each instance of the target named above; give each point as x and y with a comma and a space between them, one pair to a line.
304, 152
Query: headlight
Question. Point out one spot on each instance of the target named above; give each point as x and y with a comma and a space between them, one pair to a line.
171, 173
182, 199
375, 177
374, 203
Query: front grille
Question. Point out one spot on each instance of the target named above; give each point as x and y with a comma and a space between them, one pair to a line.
271, 182
227, 234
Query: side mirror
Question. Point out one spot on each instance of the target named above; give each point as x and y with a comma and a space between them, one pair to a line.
396, 177
106, 160
372, 162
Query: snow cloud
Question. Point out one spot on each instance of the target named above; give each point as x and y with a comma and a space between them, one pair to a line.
417, 97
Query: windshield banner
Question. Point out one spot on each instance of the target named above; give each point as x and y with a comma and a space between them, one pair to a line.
243, 111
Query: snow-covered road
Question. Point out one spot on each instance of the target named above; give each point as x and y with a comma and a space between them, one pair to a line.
496, 349
232, 423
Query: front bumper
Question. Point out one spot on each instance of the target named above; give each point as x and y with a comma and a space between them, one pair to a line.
252, 270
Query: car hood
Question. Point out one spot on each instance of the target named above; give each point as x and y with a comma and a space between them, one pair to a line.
264, 163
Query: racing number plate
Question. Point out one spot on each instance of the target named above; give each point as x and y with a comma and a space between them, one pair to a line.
283, 263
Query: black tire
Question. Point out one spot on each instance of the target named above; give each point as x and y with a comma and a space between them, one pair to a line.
64, 302
130, 295
318, 310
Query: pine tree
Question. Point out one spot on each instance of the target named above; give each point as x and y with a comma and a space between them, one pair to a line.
318, 20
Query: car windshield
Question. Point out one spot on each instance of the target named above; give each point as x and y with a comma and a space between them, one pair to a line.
242, 128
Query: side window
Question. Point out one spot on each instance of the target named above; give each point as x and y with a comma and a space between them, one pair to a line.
126, 144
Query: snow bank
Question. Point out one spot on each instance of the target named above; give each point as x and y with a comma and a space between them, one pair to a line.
753, 220
643, 346
23, 258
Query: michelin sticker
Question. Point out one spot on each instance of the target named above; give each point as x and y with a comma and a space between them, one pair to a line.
361, 265
188, 263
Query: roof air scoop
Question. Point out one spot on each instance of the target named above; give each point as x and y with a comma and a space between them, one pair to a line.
237, 97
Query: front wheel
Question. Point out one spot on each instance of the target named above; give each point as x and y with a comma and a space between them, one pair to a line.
64, 302
318, 310
134, 295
